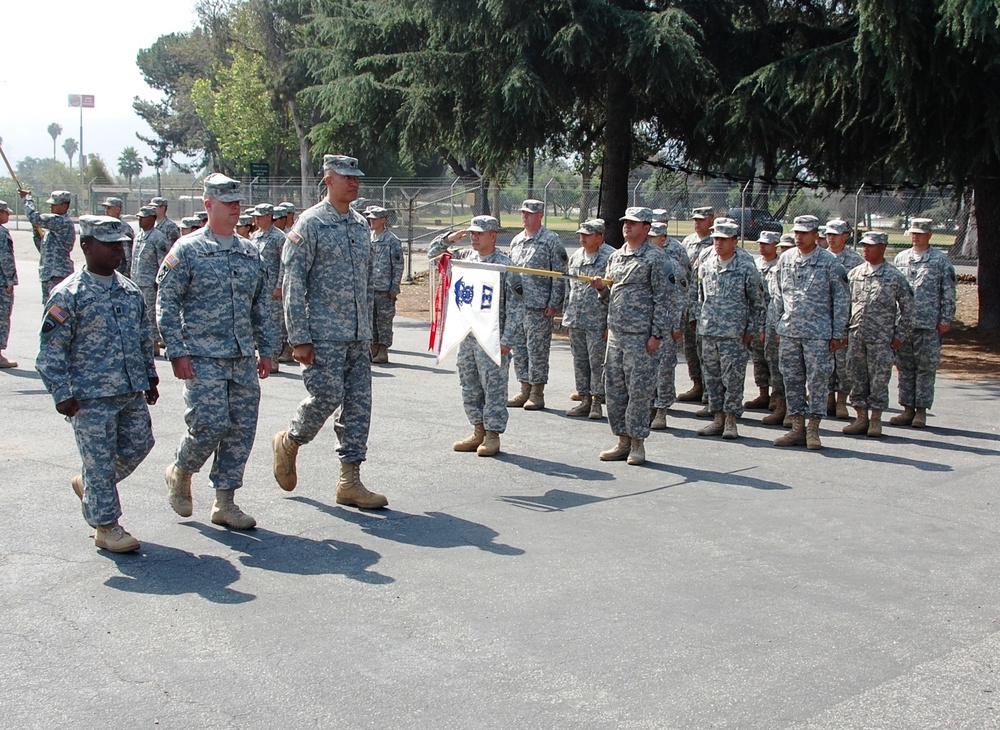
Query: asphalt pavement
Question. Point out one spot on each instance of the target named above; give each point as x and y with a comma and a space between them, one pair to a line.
722, 585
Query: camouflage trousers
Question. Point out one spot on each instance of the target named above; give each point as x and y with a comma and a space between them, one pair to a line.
917, 363
761, 368
629, 383
530, 343
666, 375
383, 313
724, 362
588, 348
113, 434
149, 298
771, 352
842, 377
6, 308
278, 317
340, 379
870, 366
222, 401
692, 352
484, 385
806, 366
48, 285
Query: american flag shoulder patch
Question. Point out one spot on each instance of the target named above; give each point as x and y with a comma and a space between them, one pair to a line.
57, 313
295, 237
171, 260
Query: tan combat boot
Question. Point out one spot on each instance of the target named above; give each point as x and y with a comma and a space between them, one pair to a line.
472, 442
761, 401
919, 418
659, 421
285, 453
596, 413
812, 435
831, 404
381, 355
77, 484
730, 431
697, 390
372, 351
226, 513
772, 403
286, 354
582, 410
860, 424
704, 413
113, 538
575, 396
179, 490
351, 491
795, 437
636, 453
274, 366
536, 398
905, 418
841, 409
5, 363
875, 425
716, 427
521, 398
618, 452
490, 445
779, 414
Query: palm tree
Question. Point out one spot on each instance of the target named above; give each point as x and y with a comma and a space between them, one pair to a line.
129, 163
70, 148
54, 131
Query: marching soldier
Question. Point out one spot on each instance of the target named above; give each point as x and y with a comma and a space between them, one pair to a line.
270, 242
148, 253
8, 280
387, 273
54, 263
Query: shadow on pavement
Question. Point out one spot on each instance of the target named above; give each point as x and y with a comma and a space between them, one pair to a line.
835, 453
431, 529
554, 468
20, 372
166, 571
295, 555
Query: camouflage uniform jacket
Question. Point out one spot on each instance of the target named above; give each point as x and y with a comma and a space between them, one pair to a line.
731, 296
55, 248
849, 258
584, 309
8, 265
544, 250
388, 267
695, 246
811, 296
148, 253
328, 292
881, 303
210, 301
768, 271
169, 229
270, 244
932, 279
639, 299
95, 341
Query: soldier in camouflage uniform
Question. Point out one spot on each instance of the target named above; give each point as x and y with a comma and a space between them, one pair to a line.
113, 208
484, 382
8, 280
881, 310
932, 279
148, 253
167, 227
666, 388
586, 316
812, 303
638, 319
54, 263
538, 248
387, 273
190, 224
280, 218
767, 267
731, 316
96, 359
270, 242
212, 312
767, 244
695, 244
244, 226
328, 297
838, 231
289, 209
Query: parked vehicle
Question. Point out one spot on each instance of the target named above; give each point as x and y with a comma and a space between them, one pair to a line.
753, 221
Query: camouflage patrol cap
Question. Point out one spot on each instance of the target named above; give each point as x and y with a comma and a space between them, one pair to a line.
342, 165
190, 222
594, 225
917, 225
838, 226
658, 228
112, 203
376, 211
769, 238
805, 224
201, 215
725, 228
262, 209
787, 240
280, 211
4, 207
59, 196
706, 212
104, 228
222, 188
875, 238
638, 214
483, 223
244, 220
531, 205
158, 202
822, 231
289, 207
660, 215
147, 211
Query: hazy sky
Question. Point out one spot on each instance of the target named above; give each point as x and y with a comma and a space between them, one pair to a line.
54, 48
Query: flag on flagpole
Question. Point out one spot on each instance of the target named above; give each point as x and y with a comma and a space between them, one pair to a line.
473, 305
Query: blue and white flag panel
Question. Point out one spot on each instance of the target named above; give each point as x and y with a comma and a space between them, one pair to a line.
473, 306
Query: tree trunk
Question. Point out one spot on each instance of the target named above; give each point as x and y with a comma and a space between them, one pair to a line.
617, 156
988, 223
531, 172
585, 178
305, 157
